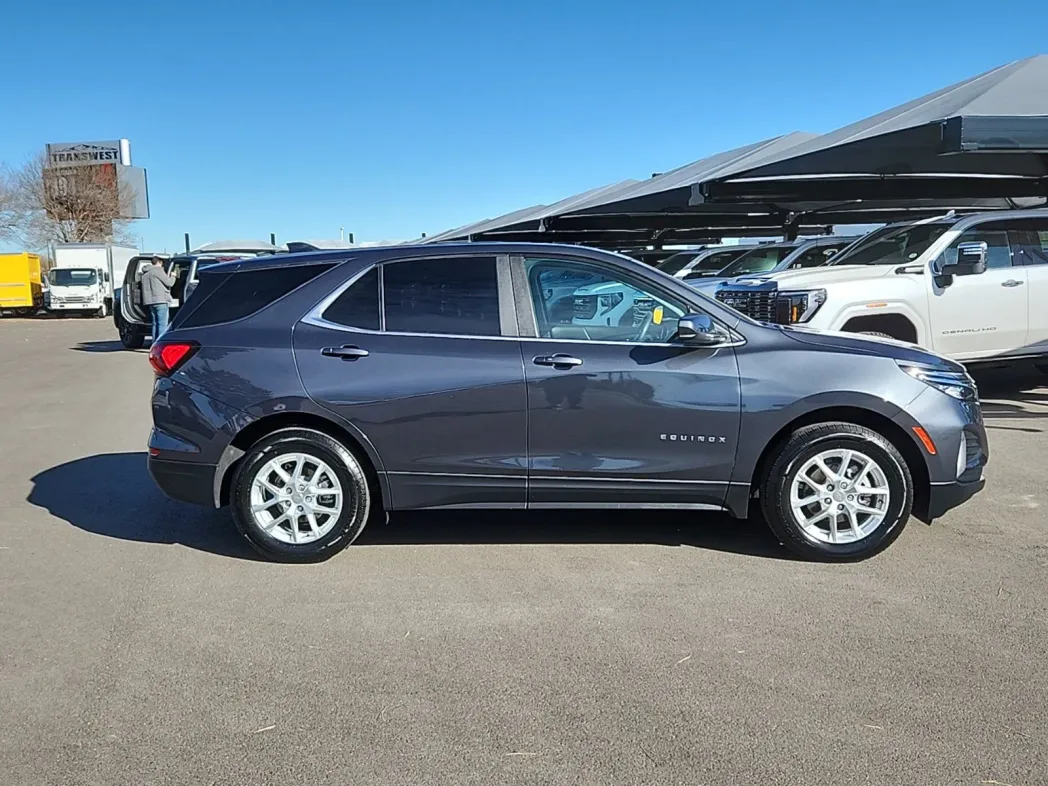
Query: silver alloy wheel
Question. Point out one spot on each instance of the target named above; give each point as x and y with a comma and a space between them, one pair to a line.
840, 496
296, 498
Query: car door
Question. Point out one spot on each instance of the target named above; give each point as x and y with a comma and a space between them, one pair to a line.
981, 315
619, 413
131, 308
1031, 235
420, 358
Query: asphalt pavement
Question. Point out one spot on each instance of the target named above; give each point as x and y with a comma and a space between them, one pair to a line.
141, 643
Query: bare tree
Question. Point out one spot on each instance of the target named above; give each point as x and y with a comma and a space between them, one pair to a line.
11, 217
73, 204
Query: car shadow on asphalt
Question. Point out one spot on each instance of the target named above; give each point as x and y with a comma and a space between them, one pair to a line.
100, 346
113, 495
716, 532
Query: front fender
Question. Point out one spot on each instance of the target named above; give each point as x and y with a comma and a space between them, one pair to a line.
880, 308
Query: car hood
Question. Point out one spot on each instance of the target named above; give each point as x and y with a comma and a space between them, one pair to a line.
706, 284
602, 288
821, 276
854, 343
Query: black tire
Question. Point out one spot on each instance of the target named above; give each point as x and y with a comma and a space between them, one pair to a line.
357, 503
789, 459
130, 337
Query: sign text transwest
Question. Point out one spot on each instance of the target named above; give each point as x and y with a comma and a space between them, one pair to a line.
85, 153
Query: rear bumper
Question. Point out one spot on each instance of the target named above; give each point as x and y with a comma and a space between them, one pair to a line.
946, 496
184, 481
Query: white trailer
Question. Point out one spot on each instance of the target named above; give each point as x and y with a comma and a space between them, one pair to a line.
86, 277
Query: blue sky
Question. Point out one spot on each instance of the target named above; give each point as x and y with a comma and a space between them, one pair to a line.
398, 117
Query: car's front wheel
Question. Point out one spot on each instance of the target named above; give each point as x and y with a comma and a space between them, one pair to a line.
300, 496
837, 491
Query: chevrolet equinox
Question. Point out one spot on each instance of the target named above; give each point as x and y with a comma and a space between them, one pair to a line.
313, 392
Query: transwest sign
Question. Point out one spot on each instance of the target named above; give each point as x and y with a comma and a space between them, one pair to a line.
61, 154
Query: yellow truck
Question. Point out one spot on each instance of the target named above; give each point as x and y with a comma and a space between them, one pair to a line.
21, 290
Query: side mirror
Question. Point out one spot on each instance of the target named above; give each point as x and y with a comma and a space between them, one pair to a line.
971, 260
699, 330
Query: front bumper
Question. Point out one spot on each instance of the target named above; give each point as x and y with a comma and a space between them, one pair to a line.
73, 306
184, 481
946, 496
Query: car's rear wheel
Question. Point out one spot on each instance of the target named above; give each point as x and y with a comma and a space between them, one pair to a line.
837, 492
300, 496
129, 337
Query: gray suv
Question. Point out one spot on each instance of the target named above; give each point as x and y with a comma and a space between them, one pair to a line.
311, 392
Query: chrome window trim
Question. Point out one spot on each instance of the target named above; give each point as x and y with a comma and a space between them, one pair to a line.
315, 318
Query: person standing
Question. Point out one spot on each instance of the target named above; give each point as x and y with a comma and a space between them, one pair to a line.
156, 295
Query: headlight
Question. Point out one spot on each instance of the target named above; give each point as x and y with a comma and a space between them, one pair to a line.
792, 307
608, 302
956, 384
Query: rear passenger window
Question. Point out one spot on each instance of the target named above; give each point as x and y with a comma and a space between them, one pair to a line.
242, 294
358, 306
457, 296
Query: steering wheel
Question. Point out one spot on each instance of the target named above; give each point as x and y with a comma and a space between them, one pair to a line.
649, 320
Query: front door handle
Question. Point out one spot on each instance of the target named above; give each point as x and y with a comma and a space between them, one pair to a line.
1012, 282
558, 361
346, 352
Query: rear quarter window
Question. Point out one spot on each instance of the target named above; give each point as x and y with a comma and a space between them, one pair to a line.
225, 297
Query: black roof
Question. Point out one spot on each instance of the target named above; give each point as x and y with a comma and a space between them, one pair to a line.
374, 254
984, 137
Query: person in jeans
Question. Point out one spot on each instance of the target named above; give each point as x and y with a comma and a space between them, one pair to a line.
156, 295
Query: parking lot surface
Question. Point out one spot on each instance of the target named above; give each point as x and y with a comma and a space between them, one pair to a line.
141, 643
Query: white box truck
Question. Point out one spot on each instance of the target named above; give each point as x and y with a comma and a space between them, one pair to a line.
86, 276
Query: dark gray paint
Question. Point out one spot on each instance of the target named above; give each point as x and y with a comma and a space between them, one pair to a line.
464, 422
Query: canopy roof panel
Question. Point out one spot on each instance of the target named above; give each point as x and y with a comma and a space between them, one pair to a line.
986, 136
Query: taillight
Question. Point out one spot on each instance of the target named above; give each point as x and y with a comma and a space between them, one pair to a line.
166, 356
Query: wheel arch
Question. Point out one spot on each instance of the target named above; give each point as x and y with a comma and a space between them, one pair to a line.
896, 325
884, 425
262, 427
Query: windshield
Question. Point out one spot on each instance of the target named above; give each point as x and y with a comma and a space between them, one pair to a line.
72, 277
760, 260
893, 245
674, 264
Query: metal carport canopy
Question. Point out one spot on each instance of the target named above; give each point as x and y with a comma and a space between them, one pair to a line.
635, 212
984, 137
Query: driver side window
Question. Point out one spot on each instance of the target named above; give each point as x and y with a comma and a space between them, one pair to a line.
998, 253
573, 300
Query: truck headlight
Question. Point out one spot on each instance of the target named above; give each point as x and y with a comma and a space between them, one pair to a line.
956, 384
799, 306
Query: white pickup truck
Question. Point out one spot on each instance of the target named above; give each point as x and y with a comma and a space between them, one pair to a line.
973, 288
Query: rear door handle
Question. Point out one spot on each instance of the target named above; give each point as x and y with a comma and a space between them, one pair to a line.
1011, 282
347, 352
558, 361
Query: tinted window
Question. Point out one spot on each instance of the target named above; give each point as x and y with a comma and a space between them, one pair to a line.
893, 245
1032, 234
456, 296
574, 301
998, 253
672, 265
759, 260
358, 306
816, 256
241, 294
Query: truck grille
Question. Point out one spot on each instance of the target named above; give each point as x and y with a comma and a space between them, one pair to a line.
585, 306
756, 305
